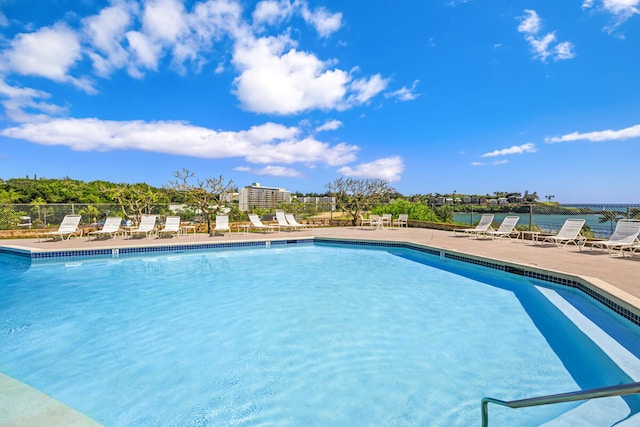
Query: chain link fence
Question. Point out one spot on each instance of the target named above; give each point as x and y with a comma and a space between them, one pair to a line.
600, 220
28, 216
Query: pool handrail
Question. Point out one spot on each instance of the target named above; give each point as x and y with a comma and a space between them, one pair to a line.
616, 390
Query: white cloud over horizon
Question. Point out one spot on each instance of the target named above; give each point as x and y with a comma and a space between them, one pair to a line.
263, 144
598, 136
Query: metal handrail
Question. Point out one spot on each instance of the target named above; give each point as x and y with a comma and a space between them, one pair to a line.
616, 390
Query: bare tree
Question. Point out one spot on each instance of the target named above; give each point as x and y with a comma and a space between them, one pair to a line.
357, 195
135, 199
207, 195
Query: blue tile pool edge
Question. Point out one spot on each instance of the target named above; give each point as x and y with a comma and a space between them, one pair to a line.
627, 311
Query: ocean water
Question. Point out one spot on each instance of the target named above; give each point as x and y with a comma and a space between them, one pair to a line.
547, 222
309, 335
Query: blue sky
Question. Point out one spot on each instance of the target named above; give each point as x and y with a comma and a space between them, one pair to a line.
465, 96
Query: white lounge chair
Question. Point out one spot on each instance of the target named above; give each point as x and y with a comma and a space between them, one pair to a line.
507, 229
222, 225
147, 226
171, 227
401, 221
68, 227
282, 221
258, 225
110, 228
295, 224
625, 236
481, 227
569, 233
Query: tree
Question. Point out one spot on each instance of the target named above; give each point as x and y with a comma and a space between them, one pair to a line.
208, 195
135, 199
357, 195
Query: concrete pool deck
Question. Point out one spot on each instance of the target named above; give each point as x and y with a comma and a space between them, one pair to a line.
616, 277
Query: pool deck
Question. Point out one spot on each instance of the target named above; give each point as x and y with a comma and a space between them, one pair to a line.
617, 277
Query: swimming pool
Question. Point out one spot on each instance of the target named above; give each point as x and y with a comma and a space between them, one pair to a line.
311, 334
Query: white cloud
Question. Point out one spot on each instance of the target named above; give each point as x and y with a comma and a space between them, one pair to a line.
106, 32
329, 125
275, 78
366, 88
622, 10
530, 22
272, 171
20, 100
49, 52
543, 46
388, 168
271, 12
516, 149
325, 22
598, 136
404, 93
264, 144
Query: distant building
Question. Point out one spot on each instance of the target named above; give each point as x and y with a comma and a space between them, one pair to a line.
257, 196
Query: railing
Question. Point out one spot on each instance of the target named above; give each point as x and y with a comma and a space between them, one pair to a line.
616, 390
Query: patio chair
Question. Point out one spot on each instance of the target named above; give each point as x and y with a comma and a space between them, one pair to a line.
374, 221
625, 236
482, 226
569, 233
68, 227
110, 228
386, 220
222, 225
258, 225
282, 221
401, 221
507, 229
171, 227
147, 226
295, 224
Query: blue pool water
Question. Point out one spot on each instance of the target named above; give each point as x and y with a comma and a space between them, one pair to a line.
313, 335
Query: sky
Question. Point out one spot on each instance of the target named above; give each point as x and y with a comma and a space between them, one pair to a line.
438, 96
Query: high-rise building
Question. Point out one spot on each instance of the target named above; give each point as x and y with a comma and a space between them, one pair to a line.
257, 196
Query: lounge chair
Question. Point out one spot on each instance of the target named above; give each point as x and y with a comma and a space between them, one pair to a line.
401, 221
481, 227
110, 228
222, 225
258, 225
68, 227
147, 226
569, 233
171, 226
625, 236
282, 221
506, 229
295, 224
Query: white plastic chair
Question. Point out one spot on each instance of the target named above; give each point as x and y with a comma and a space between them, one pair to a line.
569, 233
484, 225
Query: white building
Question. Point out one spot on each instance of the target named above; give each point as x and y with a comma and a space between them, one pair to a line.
257, 196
